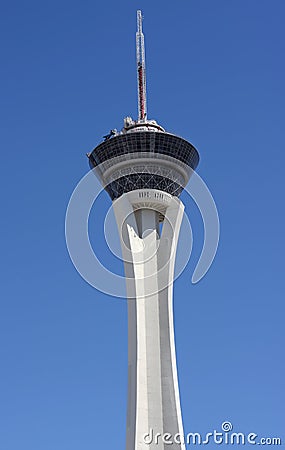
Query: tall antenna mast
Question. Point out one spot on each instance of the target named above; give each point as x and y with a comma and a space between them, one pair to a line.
141, 76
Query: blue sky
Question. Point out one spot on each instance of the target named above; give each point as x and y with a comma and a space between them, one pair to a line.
215, 73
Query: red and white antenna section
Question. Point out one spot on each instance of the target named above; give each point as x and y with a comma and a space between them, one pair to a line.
141, 75
142, 124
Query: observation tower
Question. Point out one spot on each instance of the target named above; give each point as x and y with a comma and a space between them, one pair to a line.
144, 170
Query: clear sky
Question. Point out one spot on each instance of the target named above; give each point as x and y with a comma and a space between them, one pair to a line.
215, 72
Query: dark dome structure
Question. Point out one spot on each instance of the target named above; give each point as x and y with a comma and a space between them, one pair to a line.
144, 157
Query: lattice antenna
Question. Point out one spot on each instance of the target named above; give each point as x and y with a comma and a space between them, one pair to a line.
141, 75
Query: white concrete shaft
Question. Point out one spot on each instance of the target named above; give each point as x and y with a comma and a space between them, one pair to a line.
153, 395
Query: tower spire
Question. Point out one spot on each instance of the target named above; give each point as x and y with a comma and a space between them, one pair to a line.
141, 75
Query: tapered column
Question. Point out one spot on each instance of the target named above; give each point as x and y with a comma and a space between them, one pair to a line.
153, 396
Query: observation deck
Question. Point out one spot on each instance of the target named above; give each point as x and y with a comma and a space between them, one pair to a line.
144, 156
